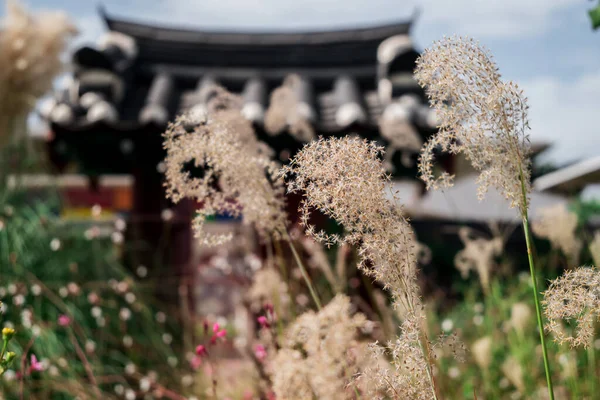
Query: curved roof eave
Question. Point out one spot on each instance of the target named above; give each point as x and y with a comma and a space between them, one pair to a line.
139, 29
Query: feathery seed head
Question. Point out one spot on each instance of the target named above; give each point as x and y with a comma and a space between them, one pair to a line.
344, 178
574, 297
238, 179
480, 116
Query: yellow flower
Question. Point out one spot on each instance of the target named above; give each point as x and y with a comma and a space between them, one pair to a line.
7, 333
10, 356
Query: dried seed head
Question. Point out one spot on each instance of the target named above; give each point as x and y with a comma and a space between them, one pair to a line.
482, 351
559, 225
31, 47
406, 375
316, 356
285, 112
344, 179
479, 115
478, 255
238, 179
574, 297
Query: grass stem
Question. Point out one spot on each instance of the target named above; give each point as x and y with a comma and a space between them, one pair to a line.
536, 296
307, 280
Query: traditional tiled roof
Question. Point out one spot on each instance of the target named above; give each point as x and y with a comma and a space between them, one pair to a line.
138, 64
350, 80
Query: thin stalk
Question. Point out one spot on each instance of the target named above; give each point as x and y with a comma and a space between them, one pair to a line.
307, 280
591, 355
538, 309
3, 350
424, 343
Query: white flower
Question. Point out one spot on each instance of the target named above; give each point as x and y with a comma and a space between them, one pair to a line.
101, 322
447, 325
122, 287
142, 271
167, 214
125, 314
96, 210
130, 369
167, 338
12, 289
53, 370
18, 300
96, 312
55, 244
187, 380
127, 341
172, 361
130, 298
478, 320
90, 346
153, 376
8, 324
36, 290
161, 317
119, 389
9, 375
145, 384
130, 394
453, 372
120, 224
478, 308
117, 237
36, 330
73, 288
63, 292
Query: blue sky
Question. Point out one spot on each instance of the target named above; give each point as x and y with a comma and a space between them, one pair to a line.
546, 46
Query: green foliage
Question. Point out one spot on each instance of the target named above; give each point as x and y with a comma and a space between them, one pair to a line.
492, 316
81, 320
594, 14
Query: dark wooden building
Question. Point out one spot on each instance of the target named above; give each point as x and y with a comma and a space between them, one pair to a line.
126, 87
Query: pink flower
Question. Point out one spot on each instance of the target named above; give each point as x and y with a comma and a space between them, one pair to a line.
64, 320
196, 362
262, 320
260, 352
216, 327
221, 333
201, 350
35, 364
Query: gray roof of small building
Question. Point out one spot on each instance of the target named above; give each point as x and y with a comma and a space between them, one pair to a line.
571, 179
460, 202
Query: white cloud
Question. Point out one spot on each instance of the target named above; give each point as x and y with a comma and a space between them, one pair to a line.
90, 28
493, 18
484, 18
566, 113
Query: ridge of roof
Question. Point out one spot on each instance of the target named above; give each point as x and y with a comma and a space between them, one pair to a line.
225, 36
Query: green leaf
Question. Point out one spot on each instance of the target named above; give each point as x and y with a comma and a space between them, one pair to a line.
594, 14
